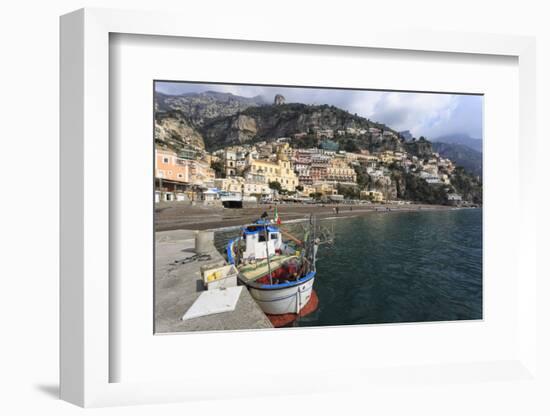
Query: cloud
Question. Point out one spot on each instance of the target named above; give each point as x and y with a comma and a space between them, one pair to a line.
424, 114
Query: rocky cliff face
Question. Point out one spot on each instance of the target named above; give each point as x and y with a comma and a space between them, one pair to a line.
232, 130
199, 107
387, 186
178, 117
285, 120
176, 132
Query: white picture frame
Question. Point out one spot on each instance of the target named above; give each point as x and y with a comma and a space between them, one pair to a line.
85, 211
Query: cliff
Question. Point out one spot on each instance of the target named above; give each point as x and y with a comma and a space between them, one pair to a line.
285, 120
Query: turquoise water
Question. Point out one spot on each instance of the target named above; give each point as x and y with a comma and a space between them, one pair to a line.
399, 267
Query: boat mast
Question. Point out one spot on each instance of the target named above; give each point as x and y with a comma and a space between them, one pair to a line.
267, 254
314, 243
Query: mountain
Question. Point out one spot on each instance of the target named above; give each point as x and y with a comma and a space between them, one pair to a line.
461, 155
176, 132
462, 139
406, 134
199, 107
285, 120
178, 118
212, 120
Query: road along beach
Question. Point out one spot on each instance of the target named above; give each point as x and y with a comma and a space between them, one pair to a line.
184, 216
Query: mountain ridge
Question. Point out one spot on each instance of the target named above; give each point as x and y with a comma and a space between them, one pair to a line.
461, 155
462, 139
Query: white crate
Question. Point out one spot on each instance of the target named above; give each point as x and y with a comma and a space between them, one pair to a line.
220, 277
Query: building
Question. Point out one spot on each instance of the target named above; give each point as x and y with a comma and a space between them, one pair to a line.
230, 162
324, 133
340, 171
325, 188
234, 159
279, 170
454, 199
388, 157
319, 166
178, 178
307, 191
201, 173
302, 166
256, 184
430, 178
230, 184
283, 148
372, 195
172, 176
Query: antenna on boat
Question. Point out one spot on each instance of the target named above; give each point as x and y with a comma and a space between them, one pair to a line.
267, 251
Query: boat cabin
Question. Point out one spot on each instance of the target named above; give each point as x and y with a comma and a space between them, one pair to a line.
261, 238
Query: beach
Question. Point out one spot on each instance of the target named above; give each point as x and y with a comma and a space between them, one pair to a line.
184, 216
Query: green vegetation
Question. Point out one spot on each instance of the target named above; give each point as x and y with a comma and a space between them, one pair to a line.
467, 185
413, 188
363, 179
305, 142
351, 146
349, 192
219, 169
276, 186
417, 189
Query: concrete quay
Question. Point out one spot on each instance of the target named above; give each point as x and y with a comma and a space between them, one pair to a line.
178, 285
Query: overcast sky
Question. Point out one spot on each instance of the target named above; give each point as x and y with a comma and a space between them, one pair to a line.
424, 114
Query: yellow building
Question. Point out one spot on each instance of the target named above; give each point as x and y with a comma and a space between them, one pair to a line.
285, 149
388, 157
307, 191
324, 188
374, 196
340, 171
277, 171
232, 184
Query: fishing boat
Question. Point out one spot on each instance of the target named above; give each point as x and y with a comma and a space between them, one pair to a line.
279, 273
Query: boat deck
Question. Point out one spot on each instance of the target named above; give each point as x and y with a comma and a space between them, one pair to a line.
254, 271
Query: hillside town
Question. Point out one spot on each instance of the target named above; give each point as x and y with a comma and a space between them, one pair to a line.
275, 170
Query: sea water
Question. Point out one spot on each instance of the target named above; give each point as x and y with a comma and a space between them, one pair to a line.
398, 267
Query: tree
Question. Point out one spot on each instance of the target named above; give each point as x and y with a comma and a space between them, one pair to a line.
276, 186
362, 178
351, 146
349, 192
300, 188
219, 169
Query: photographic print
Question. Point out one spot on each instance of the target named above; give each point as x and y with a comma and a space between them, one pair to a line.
289, 206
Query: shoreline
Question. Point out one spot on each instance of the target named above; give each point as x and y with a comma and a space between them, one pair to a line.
182, 216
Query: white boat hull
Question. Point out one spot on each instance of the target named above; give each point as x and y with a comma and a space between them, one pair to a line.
284, 300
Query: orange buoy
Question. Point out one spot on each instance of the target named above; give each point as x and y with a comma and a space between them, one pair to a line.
279, 321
